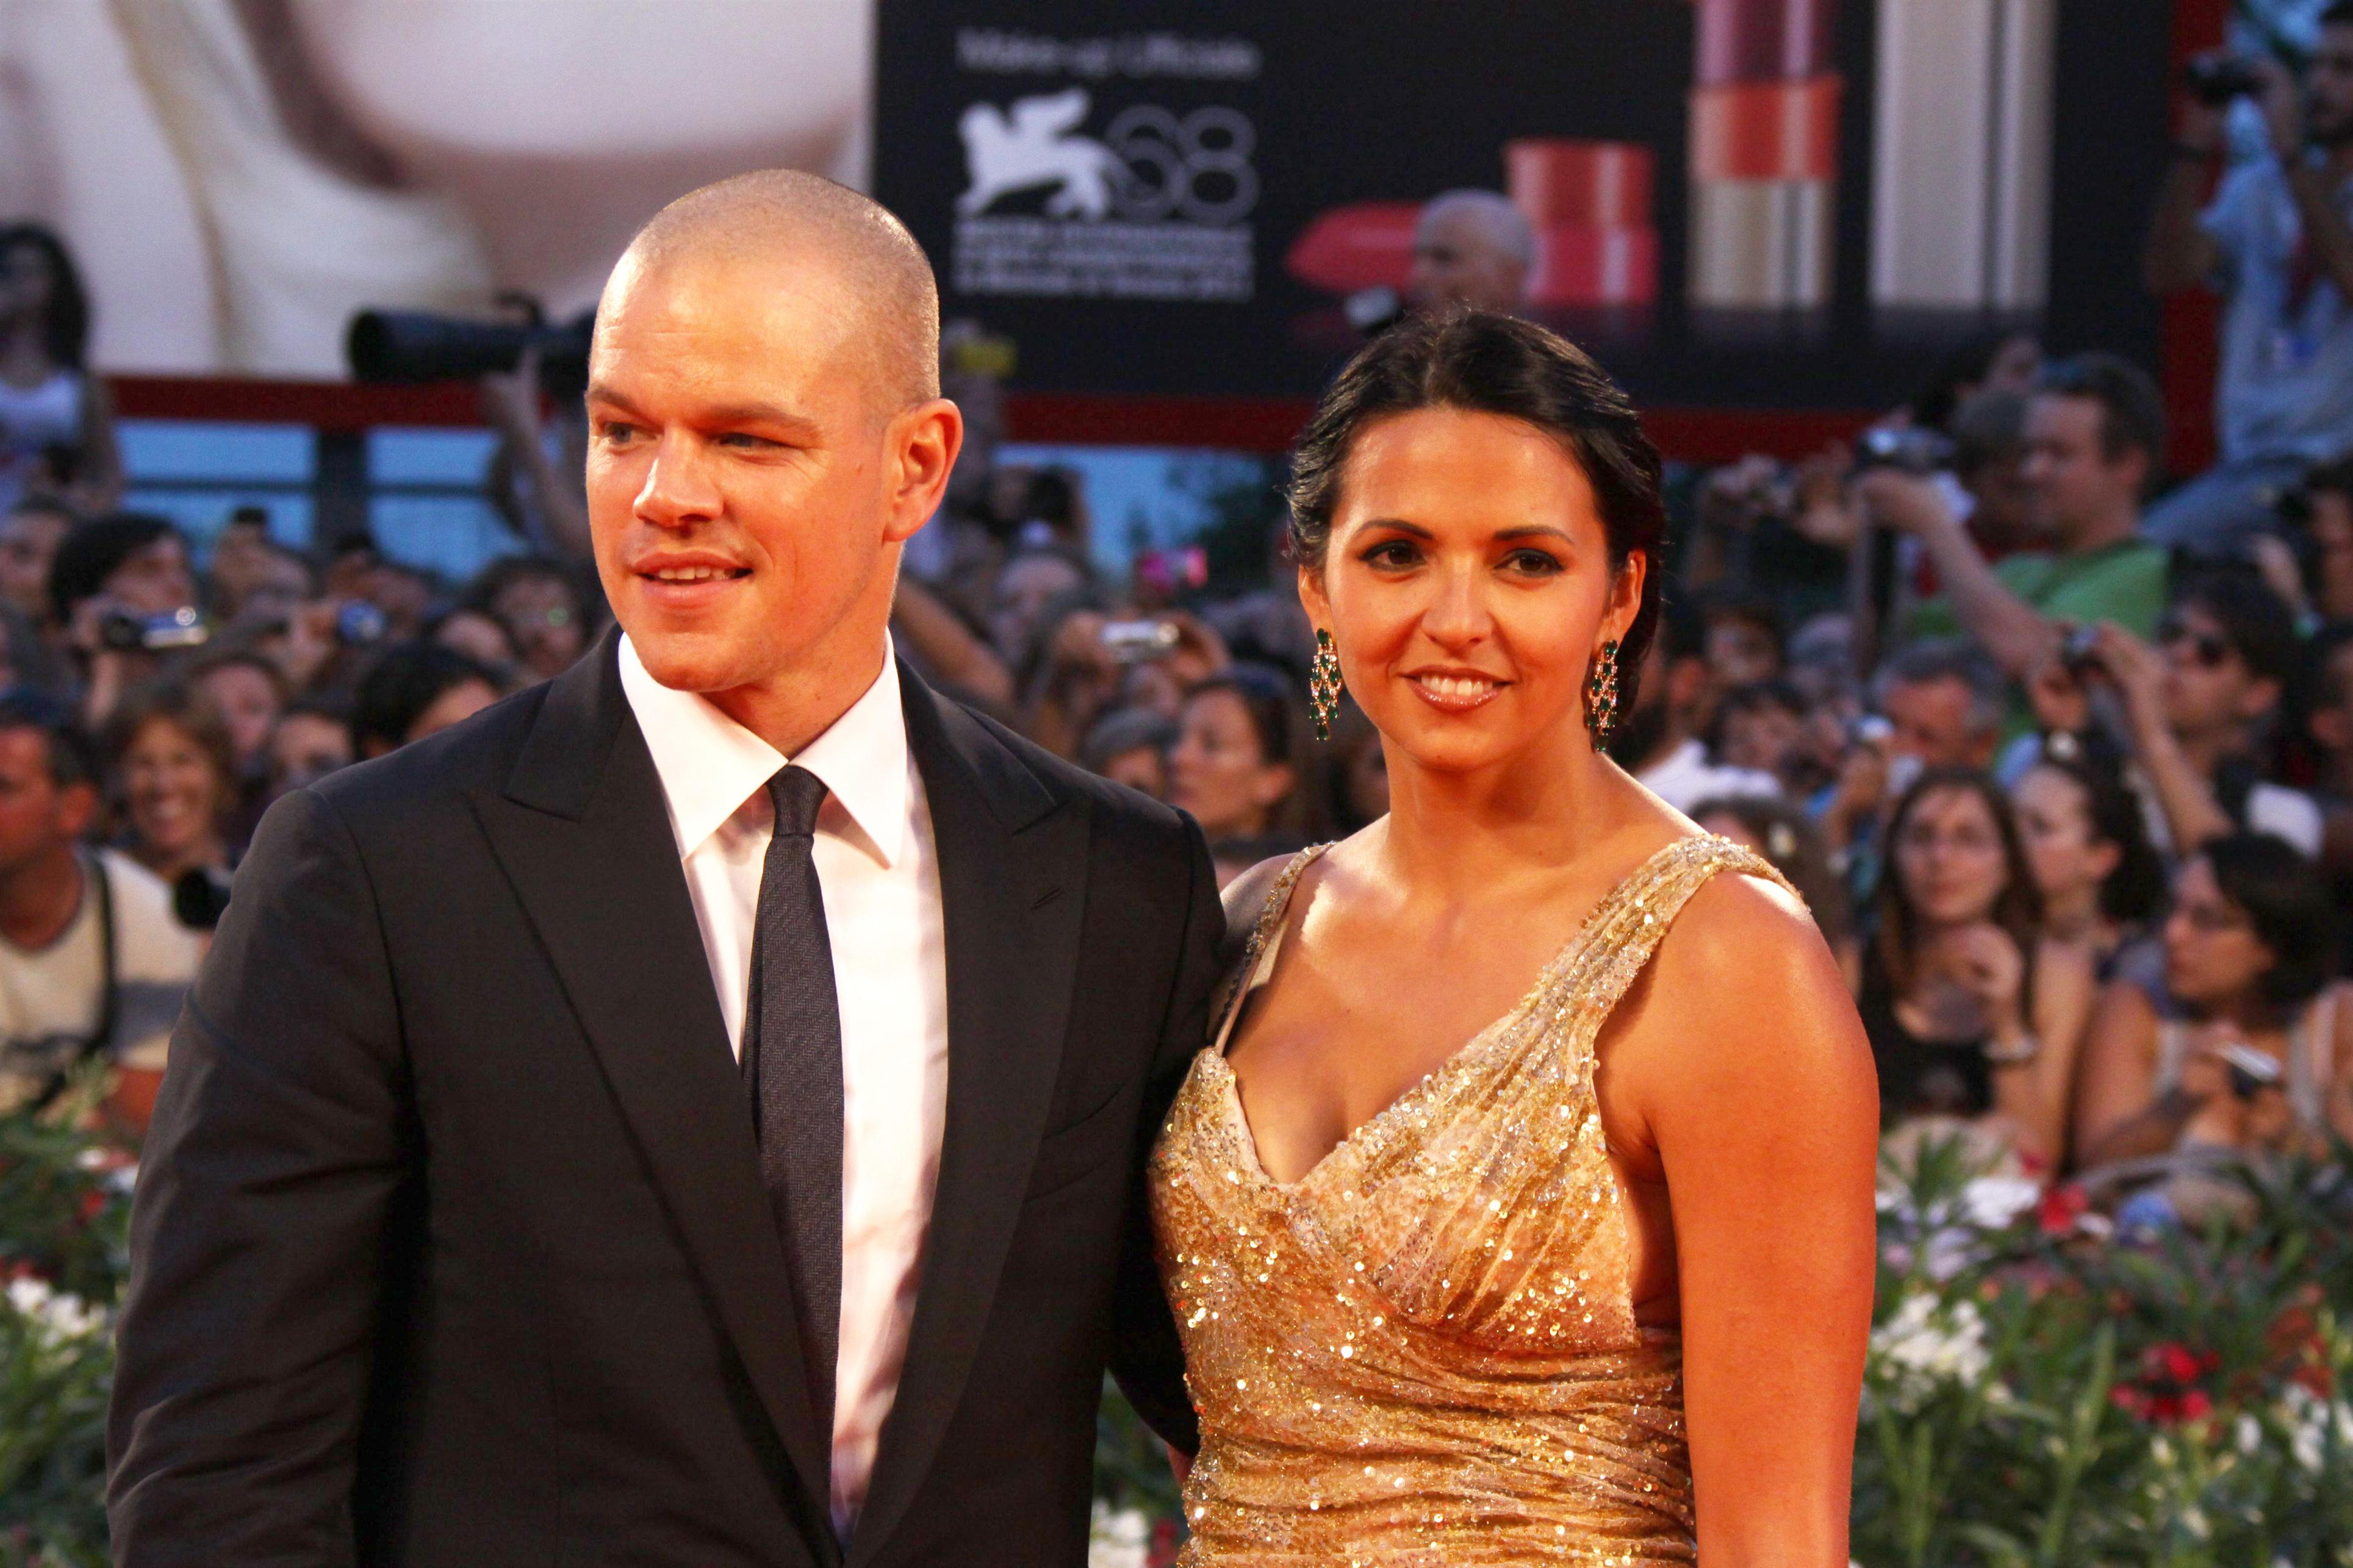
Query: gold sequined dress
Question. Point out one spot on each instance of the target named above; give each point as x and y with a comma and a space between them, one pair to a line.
1424, 1351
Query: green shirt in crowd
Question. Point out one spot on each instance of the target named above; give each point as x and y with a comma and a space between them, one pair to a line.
2124, 582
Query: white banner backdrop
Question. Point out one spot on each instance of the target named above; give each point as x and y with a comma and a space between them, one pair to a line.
236, 177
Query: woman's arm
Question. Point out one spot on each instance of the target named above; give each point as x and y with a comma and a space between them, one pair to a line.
2115, 1116
1749, 1075
2066, 991
2340, 1080
99, 485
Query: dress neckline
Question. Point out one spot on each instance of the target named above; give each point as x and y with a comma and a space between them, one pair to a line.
1266, 943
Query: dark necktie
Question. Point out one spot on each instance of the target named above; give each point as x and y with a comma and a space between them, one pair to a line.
792, 1067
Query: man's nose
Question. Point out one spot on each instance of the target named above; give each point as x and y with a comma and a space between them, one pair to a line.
679, 491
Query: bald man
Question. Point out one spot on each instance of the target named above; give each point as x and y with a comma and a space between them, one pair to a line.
1473, 250
694, 1112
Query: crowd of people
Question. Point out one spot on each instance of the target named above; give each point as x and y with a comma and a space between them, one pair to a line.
2059, 747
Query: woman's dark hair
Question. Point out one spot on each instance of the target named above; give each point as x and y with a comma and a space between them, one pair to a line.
1794, 845
1486, 363
405, 679
2017, 909
1965, 364
94, 550
1267, 696
65, 334
2285, 899
2135, 890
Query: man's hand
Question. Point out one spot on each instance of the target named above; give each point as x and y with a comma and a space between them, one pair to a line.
1904, 502
2060, 703
1993, 972
2139, 671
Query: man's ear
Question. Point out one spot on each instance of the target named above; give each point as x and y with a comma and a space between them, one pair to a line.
921, 444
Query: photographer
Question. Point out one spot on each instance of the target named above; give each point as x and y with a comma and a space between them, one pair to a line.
2276, 242
2241, 1050
122, 587
2094, 428
2199, 708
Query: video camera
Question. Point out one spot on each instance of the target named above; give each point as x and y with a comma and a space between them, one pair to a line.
409, 346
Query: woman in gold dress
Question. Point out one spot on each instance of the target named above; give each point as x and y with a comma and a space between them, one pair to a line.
1474, 1268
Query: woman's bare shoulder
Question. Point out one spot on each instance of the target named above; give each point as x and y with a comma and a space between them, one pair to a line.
1744, 969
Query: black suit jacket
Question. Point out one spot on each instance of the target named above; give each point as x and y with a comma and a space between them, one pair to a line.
450, 1246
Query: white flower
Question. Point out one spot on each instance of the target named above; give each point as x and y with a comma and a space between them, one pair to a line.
2308, 1418
1995, 1203
1118, 1538
1928, 1343
61, 1316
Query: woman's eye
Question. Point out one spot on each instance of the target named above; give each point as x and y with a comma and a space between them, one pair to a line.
1531, 563
1394, 553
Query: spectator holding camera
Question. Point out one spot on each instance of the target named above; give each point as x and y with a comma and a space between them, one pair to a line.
2095, 433
1972, 1016
2199, 708
2243, 1046
114, 581
92, 959
2277, 242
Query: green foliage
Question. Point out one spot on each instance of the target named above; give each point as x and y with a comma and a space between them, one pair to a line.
64, 1215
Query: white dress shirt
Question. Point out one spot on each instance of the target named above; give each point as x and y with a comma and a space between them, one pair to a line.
879, 874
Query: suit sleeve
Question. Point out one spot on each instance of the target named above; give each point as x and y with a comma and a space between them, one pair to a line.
1146, 1356
280, 1148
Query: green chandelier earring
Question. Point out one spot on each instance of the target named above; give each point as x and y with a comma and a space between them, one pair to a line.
1601, 695
1323, 685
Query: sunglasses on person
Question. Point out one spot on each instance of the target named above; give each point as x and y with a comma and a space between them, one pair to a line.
2207, 647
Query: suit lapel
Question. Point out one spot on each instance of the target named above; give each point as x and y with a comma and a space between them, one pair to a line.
582, 832
1012, 863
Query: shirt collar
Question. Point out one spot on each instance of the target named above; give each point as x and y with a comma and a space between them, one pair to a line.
709, 765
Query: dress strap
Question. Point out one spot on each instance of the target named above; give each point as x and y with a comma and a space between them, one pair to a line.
1628, 925
1257, 961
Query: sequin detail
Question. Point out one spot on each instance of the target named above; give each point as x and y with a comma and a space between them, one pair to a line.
1423, 1351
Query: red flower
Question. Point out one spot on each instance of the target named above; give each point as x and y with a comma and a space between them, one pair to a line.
2060, 1207
2175, 1363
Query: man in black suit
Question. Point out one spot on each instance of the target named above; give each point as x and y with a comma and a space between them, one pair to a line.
693, 1113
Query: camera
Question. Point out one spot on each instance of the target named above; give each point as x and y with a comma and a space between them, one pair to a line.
358, 623
409, 346
177, 628
2081, 652
199, 897
1139, 642
2251, 1071
1909, 450
2215, 79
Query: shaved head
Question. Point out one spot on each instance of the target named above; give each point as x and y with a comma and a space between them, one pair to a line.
764, 433
806, 227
